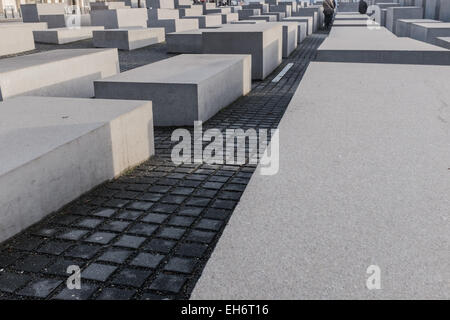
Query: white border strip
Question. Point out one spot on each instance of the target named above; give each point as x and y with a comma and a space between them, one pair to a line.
283, 72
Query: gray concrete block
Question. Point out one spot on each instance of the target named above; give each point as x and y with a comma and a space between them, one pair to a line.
309, 13
31, 12
262, 40
264, 7
52, 150
290, 37
228, 17
444, 11
64, 35
342, 16
194, 11
15, 39
279, 15
354, 23
218, 10
160, 14
54, 20
432, 9
247, 21
443, 42
308, 20
395, 13
355, 201
30, 25
207, 20
185, 41
360, 44
245, 13
184, 88
57, 73
174, 25
403, 27
263, 17
428, 32
287, 10
120, 18
164, 4
128, 39
108, 5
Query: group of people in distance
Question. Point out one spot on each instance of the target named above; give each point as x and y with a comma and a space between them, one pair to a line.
329, 6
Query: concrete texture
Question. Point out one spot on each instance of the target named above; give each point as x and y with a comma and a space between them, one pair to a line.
264, 7
432, 9
192, 11
55, 149
54, 20
15, 39
263, 41
311, 12
279, 15
444, 11
266, 18
120, 18
108, 6
159, 14
63, 73
245, 13
351, 17
64, 35
183, 89
206, 21
174, 25
247, 21
228, 17
428, 32
31, 12
360, 44
30, 25
287, 10
290, 37
165, 4
395, 13
362, 180
185, 41
353, 23
128, 39
403, 28
443, 42
307, 20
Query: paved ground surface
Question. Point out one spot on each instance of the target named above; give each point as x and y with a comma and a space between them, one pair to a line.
149, 233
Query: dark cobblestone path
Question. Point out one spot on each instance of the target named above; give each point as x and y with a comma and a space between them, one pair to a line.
149, 233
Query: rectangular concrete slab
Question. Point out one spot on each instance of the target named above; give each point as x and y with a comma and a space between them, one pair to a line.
360, 44
15, 39
262, 40
403, 28
52, 150
266, 18
247, 21
354, 23
362, 181
245, 13
174, 25
428, 32
120, 18
30, 25
443, 42
54, 20
184, 88
185, 41
207, 20
308, 20
64, 35
63, 72
128, 39
31, 12
290, 37
158, 14
395, 13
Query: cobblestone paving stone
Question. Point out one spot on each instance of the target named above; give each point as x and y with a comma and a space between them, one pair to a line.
149, 233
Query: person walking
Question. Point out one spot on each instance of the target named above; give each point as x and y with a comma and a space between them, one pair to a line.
362, 7
328, 11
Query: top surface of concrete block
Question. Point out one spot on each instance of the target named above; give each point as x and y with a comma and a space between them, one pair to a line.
186, 68
373, 168
37, 125
62, 72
